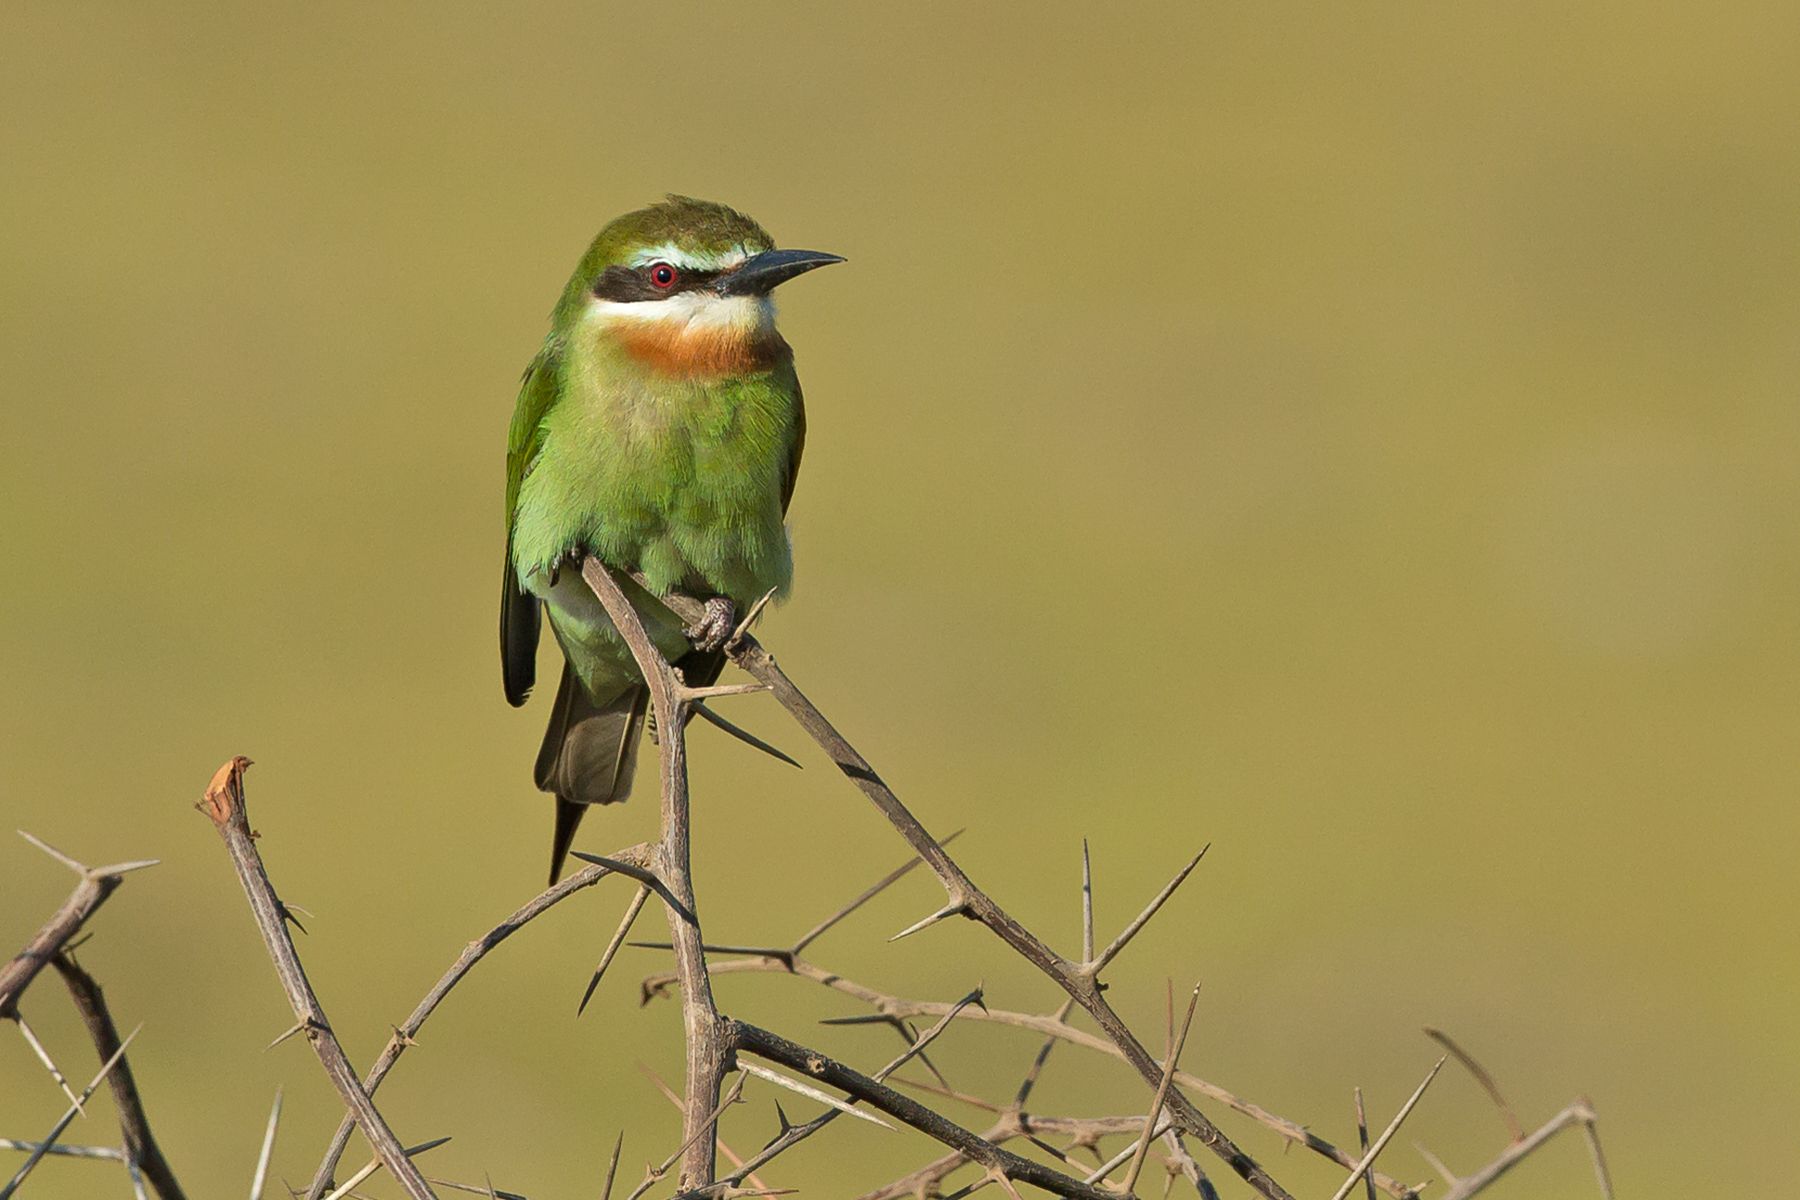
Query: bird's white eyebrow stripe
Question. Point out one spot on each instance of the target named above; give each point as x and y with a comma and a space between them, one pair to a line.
689, 260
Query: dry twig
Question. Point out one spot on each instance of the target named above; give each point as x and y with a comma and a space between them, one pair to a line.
224, 804
141, 1149
51, 945
404, 1035
1053, 1026
1579, 1113
97, 883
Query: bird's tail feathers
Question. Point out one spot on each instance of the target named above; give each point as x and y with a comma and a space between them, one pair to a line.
588, 756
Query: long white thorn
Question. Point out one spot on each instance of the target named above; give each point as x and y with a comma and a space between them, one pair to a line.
813, 1093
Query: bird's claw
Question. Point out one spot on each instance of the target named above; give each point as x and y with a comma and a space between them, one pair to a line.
715, 625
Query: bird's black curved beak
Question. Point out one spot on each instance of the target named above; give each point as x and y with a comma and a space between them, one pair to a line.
760, 273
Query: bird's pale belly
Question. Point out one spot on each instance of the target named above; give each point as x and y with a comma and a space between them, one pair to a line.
587, 634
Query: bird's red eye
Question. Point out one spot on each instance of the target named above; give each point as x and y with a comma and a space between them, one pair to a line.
663, 276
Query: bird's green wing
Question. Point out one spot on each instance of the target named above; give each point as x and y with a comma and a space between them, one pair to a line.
520, 611
798, 444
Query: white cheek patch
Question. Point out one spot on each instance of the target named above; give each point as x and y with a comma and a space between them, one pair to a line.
690, 260
688, 310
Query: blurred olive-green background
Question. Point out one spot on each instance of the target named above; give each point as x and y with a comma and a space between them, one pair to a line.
1364, 439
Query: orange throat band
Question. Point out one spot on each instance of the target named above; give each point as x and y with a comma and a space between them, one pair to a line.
699, 351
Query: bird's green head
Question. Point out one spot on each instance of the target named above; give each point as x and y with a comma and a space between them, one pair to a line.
683, 287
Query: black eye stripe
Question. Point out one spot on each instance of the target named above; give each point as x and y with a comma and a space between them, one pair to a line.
630, 284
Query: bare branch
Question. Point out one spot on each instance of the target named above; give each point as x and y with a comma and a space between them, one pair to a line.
141, 1148
95, 886
1436, 1164
490, 1191
80, 868
1050, 1025
1182, 1163
964, 896
953, 909
405, 1034
792, 1135
1579, 1113
1128, 1153
717, 691
766, 1045
707, 1057
224, 805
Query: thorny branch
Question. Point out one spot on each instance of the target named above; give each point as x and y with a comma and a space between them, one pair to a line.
717, 1045
999, 1162
404, 1035
708, 1052
51, 946
134, 1124
1078, 979
97, 883
224, 804
1081, 980
780, 960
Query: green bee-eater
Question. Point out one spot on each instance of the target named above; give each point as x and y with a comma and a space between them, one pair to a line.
659, 429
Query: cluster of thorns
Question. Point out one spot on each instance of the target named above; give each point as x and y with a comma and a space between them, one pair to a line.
723, 1053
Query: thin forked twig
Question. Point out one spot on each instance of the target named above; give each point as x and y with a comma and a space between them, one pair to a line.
1118, 944
1368, 1158
1579, 1113
705, 1128
669, 1094
867, 894
348, 1188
